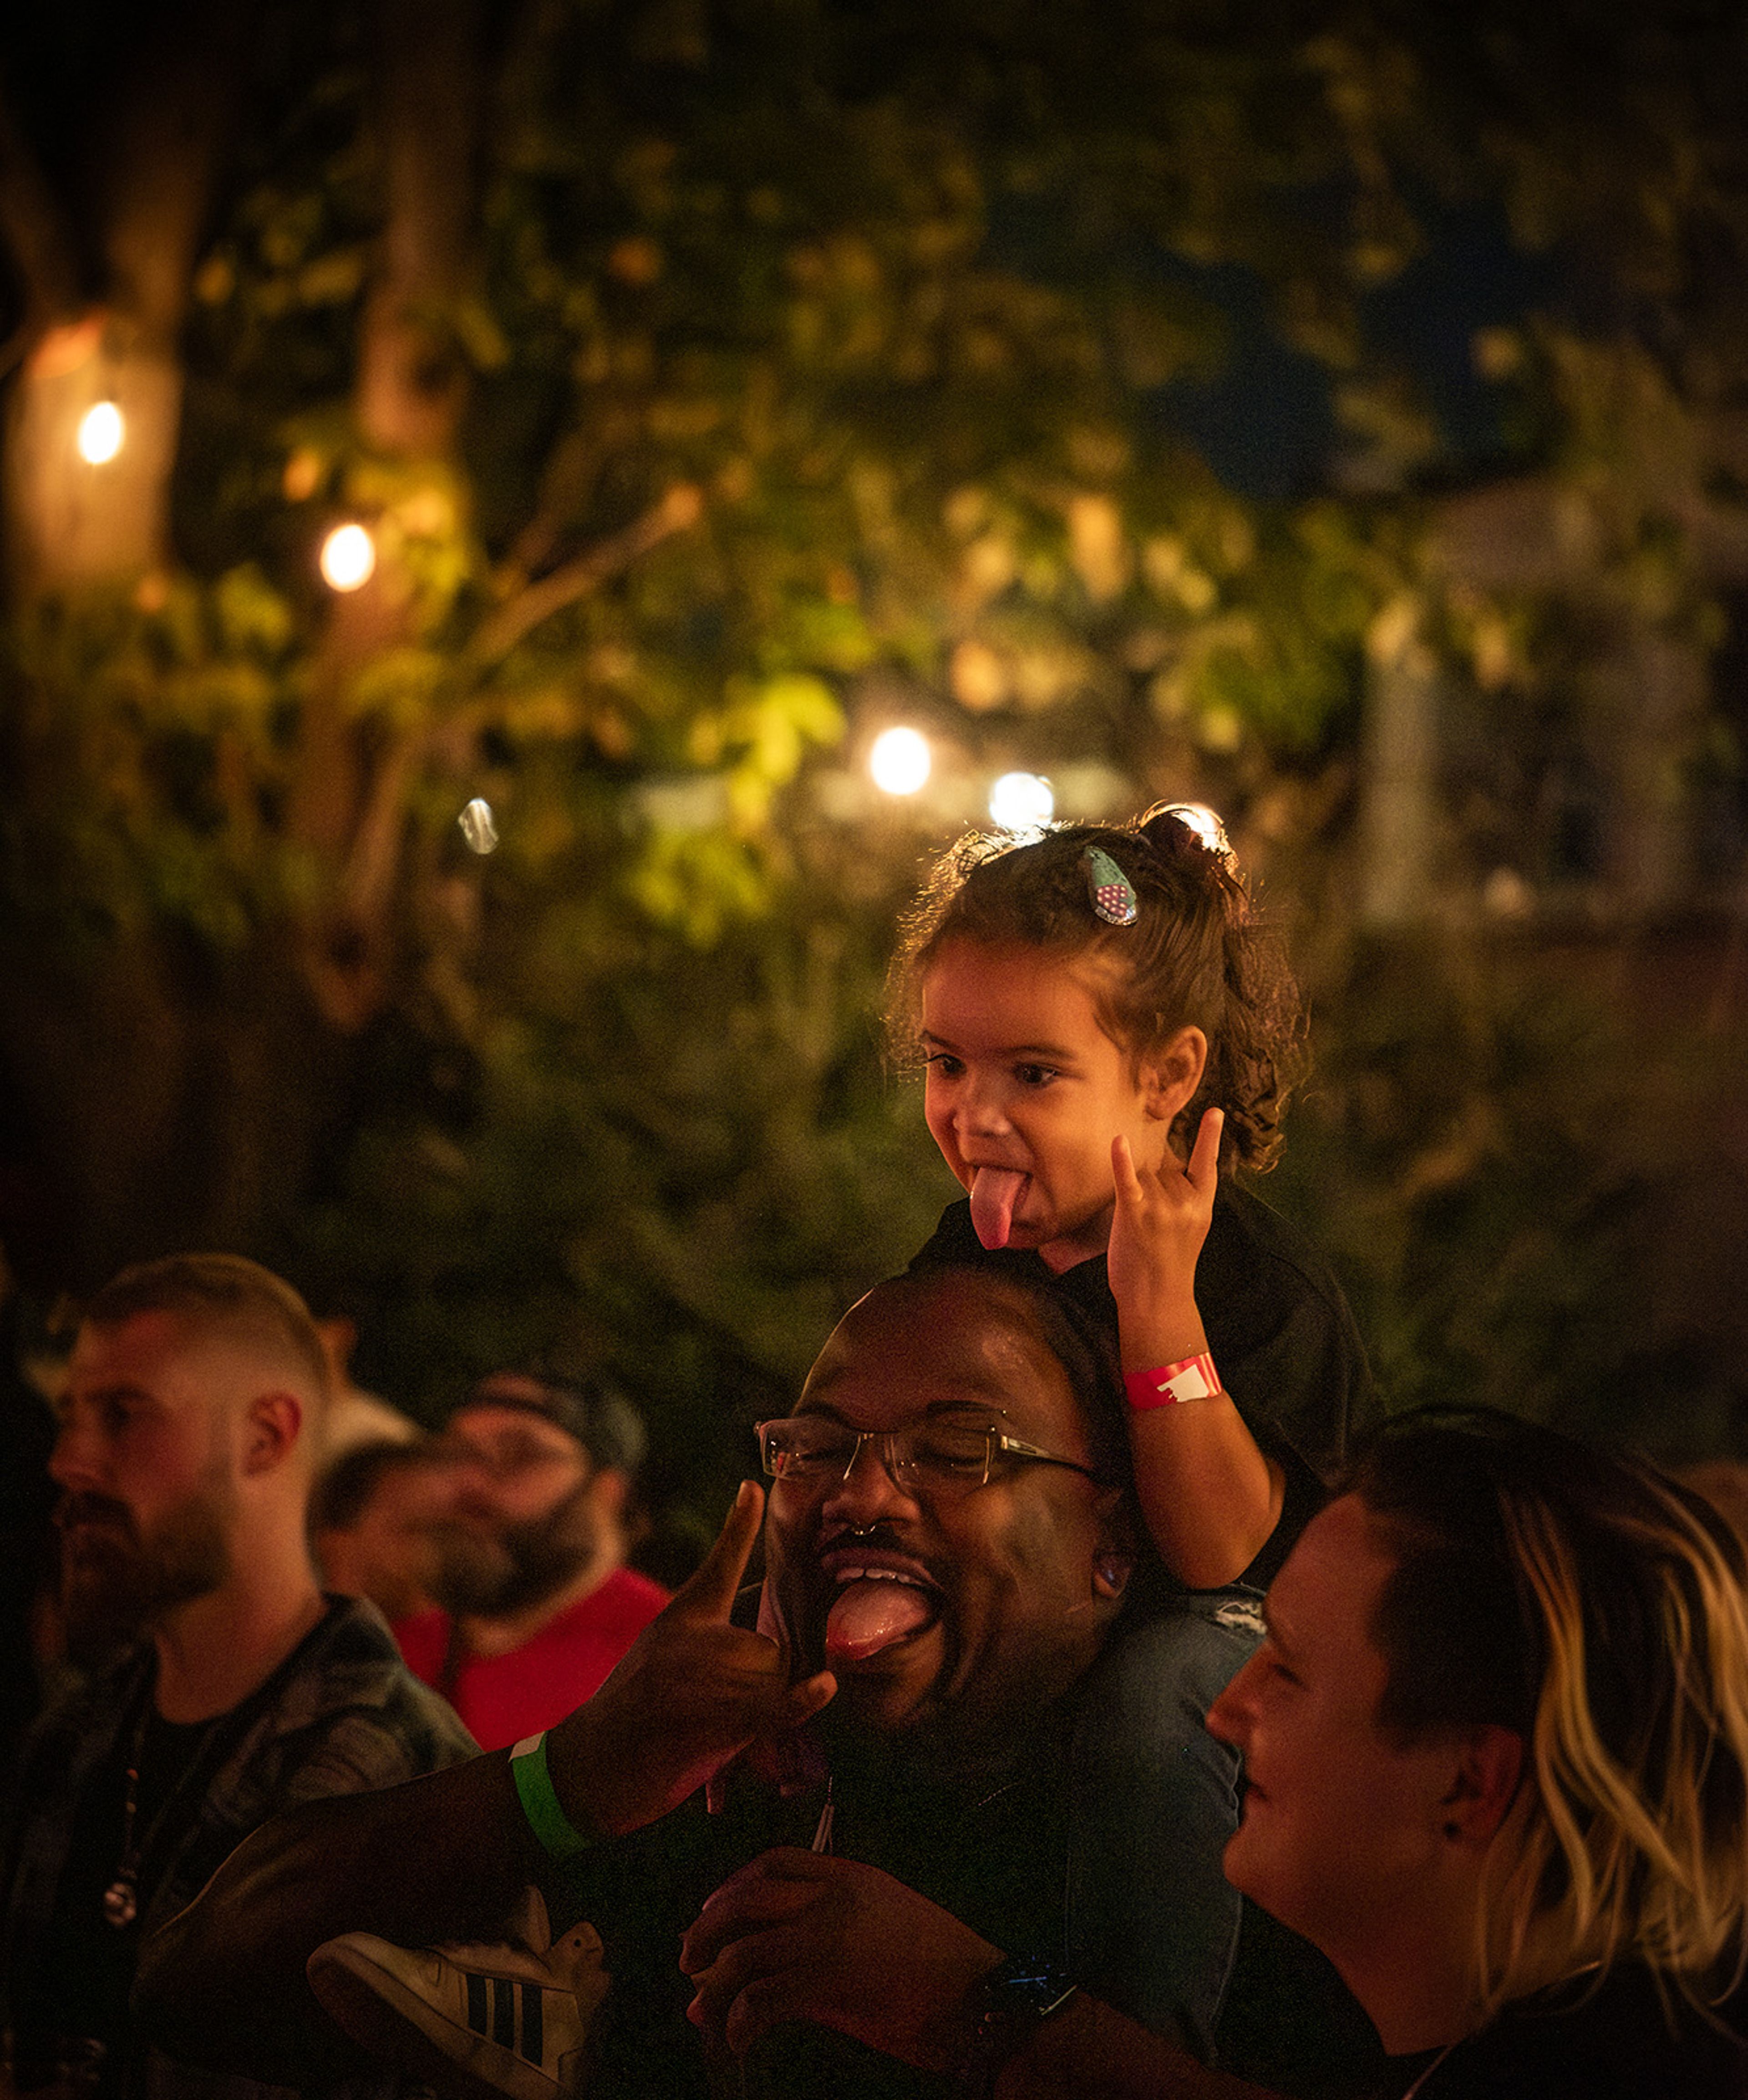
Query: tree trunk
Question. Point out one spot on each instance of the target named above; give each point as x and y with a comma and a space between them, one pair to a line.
348, 796
71, 521
157, 1101
411, 380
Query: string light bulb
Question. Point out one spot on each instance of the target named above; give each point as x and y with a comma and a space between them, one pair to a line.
349, 559
1021, 802
102, 429
900, 760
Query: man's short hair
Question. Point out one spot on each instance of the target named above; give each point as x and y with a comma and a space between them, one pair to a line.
600, 1416
221, 1294
344, 1489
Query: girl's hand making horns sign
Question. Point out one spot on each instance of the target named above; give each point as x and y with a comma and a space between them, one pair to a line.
1160, 1221
1211, 1497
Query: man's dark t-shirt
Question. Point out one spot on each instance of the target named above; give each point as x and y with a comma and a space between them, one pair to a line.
994, 1853
341, 1714
999, 1853
87, 1965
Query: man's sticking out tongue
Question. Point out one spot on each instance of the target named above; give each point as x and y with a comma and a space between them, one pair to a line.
871, 1614
995, 1190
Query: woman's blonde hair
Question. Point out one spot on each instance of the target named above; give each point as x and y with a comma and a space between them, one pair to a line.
1598, 1609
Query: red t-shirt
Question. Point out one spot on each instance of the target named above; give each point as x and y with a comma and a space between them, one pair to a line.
504, 1697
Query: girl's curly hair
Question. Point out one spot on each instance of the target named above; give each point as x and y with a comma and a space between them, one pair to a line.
1198, 955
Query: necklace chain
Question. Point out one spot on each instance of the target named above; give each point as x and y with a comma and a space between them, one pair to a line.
122, 1897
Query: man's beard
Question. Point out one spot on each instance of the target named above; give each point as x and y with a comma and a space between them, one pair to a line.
514, 1565
115, 1582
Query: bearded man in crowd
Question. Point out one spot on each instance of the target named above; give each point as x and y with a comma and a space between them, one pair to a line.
536, 1603
230, 1688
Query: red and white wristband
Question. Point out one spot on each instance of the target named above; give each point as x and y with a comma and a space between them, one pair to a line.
1194, 1378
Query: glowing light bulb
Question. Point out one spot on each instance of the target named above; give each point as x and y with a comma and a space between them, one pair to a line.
1021, 802
101, 430
477, 826
349, 558
900, 760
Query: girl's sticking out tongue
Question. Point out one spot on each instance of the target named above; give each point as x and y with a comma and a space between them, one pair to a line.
995, 1190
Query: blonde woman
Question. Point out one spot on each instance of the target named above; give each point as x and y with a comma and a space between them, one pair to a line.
1496, 1753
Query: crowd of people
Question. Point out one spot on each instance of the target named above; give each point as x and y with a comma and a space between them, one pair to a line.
1090, 1693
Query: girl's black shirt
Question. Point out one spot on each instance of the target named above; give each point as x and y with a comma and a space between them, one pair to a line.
1281, 1334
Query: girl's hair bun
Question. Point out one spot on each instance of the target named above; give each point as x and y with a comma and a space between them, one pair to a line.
1175, 828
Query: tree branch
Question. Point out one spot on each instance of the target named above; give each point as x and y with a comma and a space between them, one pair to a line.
347, 959
677, 511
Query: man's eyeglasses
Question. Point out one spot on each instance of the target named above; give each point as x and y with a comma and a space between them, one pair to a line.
937, 1458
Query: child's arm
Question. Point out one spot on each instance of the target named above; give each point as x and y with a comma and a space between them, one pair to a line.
1210, 1496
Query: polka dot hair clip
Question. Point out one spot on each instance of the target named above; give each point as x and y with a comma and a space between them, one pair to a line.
1112, 897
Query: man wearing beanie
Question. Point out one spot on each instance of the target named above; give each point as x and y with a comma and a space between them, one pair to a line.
536, 1603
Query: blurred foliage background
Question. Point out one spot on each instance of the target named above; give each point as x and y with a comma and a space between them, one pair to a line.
1336, 413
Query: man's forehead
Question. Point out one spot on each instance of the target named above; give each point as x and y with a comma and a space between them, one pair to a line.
917, 1347
156, 1346
179, 1361
492, 1422
866, 1373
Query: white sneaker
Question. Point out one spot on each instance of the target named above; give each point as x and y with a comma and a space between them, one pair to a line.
474, 2021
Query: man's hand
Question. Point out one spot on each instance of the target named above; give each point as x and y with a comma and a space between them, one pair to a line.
800, 1936
688, 1695
1160, 1221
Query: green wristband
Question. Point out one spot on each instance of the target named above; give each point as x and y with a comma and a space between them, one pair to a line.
559, 1837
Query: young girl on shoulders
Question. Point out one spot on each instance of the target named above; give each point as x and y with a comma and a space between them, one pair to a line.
1104, 1023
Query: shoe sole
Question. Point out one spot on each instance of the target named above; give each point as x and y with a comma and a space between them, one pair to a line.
382, 2014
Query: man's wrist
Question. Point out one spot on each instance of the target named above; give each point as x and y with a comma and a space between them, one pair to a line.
576, 1753
557, 1836
1004, 2012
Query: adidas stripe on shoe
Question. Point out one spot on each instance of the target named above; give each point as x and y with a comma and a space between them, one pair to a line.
477, 2022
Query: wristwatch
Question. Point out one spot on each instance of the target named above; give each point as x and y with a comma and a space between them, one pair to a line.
1013, 2002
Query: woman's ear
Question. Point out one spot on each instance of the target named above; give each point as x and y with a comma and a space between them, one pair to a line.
1490, 1766
1170, 1074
